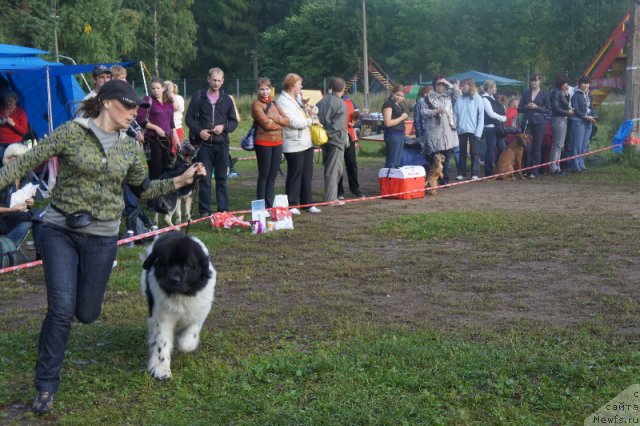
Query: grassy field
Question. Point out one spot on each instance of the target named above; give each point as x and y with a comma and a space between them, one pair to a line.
492, 303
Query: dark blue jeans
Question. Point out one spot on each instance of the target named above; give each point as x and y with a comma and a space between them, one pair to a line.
495, 146
268, 166
76, 270
534, 148
215, 157
130, 200
469, 140
393, 142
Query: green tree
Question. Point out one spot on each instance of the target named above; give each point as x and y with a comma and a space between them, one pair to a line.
27, 22
165, 35
229, 33
93, 31
322, 40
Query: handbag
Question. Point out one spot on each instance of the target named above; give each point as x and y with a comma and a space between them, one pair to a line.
501, 130
249, 140
319, 135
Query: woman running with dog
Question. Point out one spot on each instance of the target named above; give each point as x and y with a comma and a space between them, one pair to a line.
79, 234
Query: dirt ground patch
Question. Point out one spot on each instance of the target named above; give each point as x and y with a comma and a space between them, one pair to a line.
334, 270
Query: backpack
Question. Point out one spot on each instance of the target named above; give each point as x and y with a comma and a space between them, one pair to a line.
8, 252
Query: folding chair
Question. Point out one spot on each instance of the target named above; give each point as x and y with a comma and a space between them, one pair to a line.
21, 246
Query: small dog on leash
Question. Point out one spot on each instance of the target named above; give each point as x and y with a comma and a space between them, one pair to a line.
310, 110
178, 281
435, 173
171, 204
511, 158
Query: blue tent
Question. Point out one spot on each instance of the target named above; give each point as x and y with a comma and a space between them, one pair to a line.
481, 77
48, 91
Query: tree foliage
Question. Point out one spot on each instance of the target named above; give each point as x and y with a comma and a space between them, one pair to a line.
425, 37
229, 32
92, 31
409, 38
165, 34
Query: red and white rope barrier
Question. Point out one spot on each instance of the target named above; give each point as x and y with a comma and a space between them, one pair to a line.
328, 203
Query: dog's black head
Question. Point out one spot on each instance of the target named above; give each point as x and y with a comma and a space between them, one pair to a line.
180, 264
187, 152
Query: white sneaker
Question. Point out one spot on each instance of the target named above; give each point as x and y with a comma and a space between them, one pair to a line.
340, 203
474, 178
313, 209
295, 211
459, 177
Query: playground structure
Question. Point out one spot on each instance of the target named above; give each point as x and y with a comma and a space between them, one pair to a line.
607, 69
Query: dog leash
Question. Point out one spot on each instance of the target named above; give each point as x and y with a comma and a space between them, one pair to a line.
194, 188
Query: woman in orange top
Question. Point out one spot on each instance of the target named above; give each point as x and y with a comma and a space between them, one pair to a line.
268, 121
13, 122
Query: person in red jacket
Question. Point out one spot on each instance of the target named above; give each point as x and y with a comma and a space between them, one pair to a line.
13, 122
350, 162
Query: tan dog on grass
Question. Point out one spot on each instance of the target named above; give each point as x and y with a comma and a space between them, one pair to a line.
435, 173
511, 158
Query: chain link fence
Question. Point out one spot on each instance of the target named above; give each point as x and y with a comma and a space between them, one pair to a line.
234, 86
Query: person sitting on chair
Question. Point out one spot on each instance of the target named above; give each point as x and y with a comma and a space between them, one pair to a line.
17, 220
13, 122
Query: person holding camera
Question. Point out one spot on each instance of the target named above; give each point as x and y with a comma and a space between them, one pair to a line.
211, 116
13, 122
534, 106
441, 129
561, 110
582, 122
394, 116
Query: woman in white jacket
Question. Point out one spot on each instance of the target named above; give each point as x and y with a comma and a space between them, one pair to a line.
297, 146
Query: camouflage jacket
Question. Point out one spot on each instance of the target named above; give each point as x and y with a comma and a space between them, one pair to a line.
89, 178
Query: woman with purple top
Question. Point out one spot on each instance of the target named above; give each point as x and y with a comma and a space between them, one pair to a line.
158, 122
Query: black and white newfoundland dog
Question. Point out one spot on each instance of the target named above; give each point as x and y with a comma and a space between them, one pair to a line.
178, 281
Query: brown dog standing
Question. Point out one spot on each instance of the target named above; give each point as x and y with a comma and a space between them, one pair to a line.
435, 173
511, 158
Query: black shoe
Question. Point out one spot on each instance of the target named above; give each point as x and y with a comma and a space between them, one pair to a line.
43, 404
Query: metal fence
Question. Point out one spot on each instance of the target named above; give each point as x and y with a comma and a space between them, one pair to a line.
236, 86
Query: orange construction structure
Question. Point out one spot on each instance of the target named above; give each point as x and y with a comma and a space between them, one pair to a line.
607, 70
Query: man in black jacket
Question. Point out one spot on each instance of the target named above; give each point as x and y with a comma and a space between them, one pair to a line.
211, 116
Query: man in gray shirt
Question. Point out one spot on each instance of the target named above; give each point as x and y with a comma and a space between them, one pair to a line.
332, 113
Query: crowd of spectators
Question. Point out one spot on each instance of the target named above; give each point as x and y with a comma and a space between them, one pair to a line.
468, 125
483, 124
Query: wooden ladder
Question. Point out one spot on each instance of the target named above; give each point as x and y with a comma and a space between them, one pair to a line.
376, 70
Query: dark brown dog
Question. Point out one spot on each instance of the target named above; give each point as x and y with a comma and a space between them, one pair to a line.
511, 158
435, 173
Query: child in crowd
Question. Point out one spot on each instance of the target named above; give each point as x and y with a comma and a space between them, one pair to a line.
512, 117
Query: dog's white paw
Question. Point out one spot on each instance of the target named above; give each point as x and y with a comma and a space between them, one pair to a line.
160, 372
188, 340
